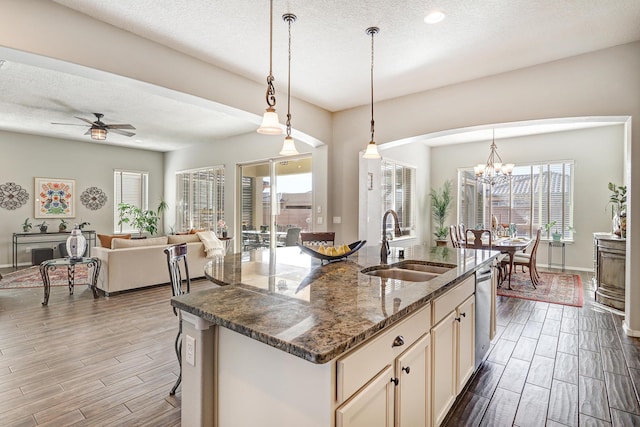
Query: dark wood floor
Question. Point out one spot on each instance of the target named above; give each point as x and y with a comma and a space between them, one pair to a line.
554, 365
110, 362
85, 362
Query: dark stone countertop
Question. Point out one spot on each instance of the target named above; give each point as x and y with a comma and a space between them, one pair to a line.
288, 300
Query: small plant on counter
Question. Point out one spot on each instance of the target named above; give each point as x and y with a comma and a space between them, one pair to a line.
26, 225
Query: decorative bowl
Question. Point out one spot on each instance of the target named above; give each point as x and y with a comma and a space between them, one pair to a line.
353, 248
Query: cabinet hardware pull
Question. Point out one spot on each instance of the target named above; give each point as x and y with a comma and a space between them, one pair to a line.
458, 319
463, 314
395, 381
398, 341
407, 369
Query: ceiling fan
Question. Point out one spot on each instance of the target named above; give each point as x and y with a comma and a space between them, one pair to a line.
98, 129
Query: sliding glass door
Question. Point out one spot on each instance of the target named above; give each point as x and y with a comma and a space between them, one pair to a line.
275, 202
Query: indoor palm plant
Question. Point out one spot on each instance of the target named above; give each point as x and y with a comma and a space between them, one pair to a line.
440, 207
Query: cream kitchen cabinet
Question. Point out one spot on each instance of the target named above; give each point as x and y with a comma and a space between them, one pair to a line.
452, 346
386, 382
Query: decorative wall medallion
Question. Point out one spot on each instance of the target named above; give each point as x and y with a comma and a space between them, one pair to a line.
12, 196
93, 198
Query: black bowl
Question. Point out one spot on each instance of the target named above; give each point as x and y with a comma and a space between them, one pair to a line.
353, 248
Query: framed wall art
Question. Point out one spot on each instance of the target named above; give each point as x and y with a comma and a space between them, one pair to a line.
55, 198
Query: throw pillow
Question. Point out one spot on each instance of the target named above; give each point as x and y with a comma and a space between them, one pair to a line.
105, 239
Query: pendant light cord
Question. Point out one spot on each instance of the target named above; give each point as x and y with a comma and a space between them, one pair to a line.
289, 18
271, 90
372, 31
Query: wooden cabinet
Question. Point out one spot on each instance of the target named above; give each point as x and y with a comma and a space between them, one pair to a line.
453, 346
372, 406
609, 263
386, 382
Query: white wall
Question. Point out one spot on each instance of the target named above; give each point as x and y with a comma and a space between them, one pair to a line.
599, 159
89, 163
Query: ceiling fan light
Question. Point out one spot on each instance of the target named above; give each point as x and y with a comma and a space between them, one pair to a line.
288, 147
98, 134
270, 123
372, 152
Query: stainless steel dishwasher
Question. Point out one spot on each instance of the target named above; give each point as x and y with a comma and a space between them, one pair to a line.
483, 312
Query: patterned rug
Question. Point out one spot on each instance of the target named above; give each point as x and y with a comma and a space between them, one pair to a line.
557, 288
31, 278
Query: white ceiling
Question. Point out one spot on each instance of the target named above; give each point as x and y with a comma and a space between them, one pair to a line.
330, 57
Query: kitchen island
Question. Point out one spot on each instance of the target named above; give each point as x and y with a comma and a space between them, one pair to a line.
280, 342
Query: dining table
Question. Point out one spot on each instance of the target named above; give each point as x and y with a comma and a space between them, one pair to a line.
506, 245
261, 238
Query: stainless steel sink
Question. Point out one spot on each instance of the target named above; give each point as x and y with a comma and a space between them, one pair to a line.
401, 274
423, 267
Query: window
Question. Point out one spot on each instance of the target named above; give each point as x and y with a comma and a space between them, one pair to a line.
537, 194
398, 183
130, 187
200, 198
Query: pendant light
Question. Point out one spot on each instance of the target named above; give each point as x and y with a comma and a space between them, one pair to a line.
372, 149
270, 123
289, 148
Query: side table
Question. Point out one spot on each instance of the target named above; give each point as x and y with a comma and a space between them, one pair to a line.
555, 244
93, 264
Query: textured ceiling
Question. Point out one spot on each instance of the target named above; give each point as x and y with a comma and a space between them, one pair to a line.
331, 55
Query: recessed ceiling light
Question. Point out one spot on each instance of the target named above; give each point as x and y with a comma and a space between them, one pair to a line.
434, 17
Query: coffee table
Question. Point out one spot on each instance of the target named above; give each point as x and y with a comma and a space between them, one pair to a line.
47, 266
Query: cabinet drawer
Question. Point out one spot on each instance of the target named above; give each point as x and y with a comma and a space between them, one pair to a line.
358, 367
448, 302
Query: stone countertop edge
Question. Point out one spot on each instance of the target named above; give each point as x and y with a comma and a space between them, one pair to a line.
240, 308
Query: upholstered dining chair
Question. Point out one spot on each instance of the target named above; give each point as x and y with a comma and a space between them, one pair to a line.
292, 237
180, 284
318, 238
475, 241
529, 260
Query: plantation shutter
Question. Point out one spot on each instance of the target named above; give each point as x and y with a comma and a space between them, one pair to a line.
130, 187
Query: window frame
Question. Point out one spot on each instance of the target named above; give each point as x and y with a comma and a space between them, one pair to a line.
543, 178
407, 229
118, 187
186, 219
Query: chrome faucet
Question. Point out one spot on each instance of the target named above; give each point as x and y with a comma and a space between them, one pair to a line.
384, 247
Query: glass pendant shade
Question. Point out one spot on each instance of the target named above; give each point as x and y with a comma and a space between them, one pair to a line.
76, 243
288, 147
99, 134
270, 123
372, 152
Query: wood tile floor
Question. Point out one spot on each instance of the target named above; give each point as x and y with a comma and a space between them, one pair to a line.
554, 365
110, 362
85, 362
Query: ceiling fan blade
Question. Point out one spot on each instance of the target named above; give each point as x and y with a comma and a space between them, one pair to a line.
68, 124
84, 120
125, 126
121, 132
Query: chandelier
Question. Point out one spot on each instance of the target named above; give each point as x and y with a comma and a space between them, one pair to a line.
270, 123
494, 171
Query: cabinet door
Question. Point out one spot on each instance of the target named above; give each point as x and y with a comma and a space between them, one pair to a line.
370, 407
413, 394
466, 319
443, 367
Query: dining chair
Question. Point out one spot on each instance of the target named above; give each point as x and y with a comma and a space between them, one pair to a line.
529, 260
476, 242
318, 238
462, 233
453, 235
180, 284
292, 237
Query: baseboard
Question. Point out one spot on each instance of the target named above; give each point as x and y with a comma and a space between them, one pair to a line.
628, 331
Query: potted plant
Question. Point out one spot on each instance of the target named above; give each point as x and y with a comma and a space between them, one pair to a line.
62, 226
26, 225
43, 226
222, 228
162, 208
440, 207
556, 235
618, 200
141, 220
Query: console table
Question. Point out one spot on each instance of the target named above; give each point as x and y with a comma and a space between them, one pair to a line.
609, 268
20, 239
70, 263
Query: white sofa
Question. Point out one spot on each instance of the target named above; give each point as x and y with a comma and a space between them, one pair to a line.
133, 264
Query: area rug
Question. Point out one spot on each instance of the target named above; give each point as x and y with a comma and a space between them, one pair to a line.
31, 278
556, 288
